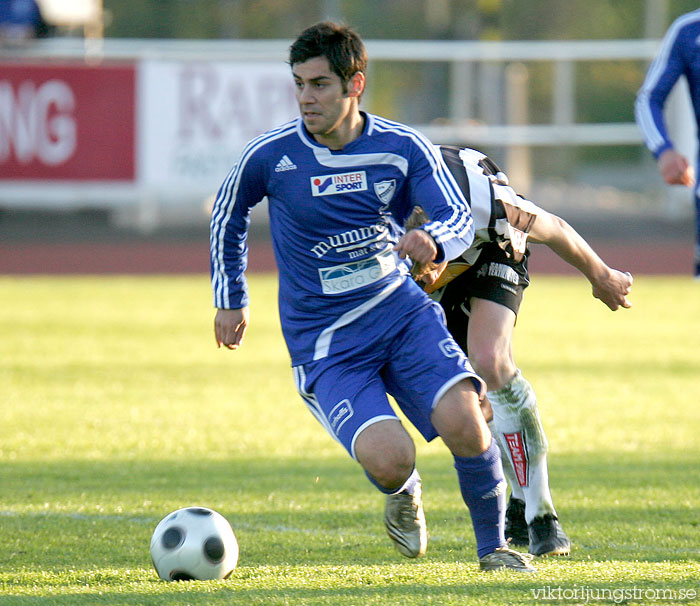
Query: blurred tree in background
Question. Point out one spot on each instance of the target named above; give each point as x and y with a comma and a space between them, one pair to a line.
416, 92
390, 19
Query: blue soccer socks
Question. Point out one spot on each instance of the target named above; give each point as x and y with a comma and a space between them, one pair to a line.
483, 487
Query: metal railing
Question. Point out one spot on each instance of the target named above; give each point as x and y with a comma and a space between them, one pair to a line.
470, 64
462, 56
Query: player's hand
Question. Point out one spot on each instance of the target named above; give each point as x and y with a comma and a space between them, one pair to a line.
675, 169
230, 326
427, 274
417, 244
613, 289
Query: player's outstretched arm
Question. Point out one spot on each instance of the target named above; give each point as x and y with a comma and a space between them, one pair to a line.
230, 326
609, 285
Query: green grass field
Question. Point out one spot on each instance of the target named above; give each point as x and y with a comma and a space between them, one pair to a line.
118, 408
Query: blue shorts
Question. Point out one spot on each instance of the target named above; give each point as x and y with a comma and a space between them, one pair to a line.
413, 358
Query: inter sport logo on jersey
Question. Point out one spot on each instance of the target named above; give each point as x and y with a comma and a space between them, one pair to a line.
327, 185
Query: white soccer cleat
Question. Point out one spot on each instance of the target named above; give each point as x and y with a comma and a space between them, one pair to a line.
504, 557
405, 522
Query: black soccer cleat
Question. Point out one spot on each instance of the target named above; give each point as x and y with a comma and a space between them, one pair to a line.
516, 526
547, 537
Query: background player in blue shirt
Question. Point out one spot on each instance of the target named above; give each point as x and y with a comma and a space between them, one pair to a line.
21, 20
678, 56
340, 183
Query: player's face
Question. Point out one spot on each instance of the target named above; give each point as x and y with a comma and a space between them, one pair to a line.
325, 108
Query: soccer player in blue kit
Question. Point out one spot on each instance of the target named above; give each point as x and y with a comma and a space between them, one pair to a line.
679, 55
340, 184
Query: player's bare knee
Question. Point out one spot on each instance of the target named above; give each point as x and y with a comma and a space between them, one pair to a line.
493, 365
392, 468
458, 419
390, 475
467, 441
386, 452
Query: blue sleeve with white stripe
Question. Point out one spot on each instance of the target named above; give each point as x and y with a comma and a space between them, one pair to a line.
671, 62
432, 184
241, 190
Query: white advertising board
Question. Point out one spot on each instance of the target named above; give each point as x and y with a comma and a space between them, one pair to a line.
194, 119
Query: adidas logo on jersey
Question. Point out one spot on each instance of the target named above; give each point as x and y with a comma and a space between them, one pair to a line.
285, 164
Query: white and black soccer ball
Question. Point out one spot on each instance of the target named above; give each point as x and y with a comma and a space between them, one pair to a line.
194, 543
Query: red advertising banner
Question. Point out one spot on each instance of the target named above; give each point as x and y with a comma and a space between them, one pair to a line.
67, 122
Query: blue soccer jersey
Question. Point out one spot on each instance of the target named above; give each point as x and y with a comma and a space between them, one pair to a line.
335, 217
679, 55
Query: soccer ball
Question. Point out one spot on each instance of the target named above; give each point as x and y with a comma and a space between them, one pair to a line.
194, 543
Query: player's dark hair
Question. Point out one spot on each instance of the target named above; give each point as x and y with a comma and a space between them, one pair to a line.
339, 44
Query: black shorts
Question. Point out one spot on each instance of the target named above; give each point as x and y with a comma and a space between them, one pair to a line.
494, 277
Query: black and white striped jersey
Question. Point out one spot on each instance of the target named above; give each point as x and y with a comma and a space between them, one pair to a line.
500, 214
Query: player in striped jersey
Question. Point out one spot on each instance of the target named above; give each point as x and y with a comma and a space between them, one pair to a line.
481, 292
678, 56
340, 183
